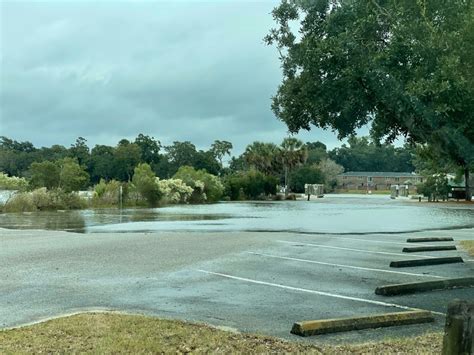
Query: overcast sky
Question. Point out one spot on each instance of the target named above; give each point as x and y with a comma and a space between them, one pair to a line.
181, 70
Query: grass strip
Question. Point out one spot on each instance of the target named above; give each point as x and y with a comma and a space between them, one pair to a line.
468, 245
111, 333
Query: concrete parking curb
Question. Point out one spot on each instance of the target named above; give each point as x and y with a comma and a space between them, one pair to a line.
414, 287
423, 262
315, 327
430, 248
430, 239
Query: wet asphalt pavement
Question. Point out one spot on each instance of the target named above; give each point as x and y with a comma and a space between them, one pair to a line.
253, 282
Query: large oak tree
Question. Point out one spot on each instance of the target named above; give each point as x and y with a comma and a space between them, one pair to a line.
406, 67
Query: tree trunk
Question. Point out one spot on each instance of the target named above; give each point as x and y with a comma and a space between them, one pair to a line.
468, 188
286, 181
459, 328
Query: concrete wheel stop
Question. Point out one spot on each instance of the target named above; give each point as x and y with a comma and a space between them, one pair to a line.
430, 239
316, 327
425, 286
429, 248
424, 262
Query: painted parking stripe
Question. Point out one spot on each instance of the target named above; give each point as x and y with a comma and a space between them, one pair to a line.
356, 239
346, 266
350, 249
314, 292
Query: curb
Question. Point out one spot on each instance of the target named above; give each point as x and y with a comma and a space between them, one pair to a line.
414, 287
430, 239
315, 327
423, 262
430, 248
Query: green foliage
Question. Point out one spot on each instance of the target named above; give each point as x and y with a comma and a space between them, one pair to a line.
263, 157
404, 66
149, 148
305, 175
107, 193
145, 181
174, 191
42, 200
12, 182
72, 177
80, 151
126, 158
362, 154
435, 187
66, 174
221, 148
206, 187
249, 185
330, 169
102, 162
292, 153
45, 174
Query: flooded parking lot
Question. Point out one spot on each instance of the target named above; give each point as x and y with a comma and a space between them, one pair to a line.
331, 214
233, 264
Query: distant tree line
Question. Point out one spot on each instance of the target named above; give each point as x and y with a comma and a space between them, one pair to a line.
257, 171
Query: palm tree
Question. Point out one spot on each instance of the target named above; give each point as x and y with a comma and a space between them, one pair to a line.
262, 157
293, 153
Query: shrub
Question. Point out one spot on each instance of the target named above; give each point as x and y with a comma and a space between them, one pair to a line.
107, 193
435, 187
42, 199
20, 202
249, 185
174, 191
12, 182
144, 180
206, 187
305, 175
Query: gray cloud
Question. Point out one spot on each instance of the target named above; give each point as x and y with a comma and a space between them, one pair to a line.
189, 70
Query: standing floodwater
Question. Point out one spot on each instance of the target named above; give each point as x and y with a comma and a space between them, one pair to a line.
332, 214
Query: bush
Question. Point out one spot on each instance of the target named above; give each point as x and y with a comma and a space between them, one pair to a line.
249, 185
174, 191
12, 182
42, 199
20, 202
435, 187
107, 193
305, 175
206, 187
144, 180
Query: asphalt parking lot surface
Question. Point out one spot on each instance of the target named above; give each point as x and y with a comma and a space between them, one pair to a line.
252, 282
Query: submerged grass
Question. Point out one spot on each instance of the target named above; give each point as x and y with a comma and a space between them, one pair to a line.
469, 246
120, 333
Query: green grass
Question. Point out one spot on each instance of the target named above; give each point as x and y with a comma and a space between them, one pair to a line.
119, 333
469, 246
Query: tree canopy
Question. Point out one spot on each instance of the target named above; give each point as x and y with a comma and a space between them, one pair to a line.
406, 67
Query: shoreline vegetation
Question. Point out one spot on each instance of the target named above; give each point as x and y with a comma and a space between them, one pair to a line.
137, 174
111, 332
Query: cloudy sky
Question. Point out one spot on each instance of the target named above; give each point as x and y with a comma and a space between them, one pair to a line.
180, 70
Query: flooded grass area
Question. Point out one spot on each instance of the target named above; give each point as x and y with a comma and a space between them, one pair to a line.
338, 214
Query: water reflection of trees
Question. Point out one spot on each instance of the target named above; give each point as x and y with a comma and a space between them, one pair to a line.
70, 220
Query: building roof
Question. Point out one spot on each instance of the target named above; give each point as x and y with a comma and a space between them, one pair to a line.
378, 174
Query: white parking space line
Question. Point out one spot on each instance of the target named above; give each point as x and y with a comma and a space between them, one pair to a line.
345, 266
361, 240
356, 250
305, 290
